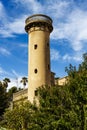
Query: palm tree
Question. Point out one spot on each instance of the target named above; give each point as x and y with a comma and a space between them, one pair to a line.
5, 82
24, 81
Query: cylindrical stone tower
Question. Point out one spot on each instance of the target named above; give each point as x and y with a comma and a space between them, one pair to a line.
38, 28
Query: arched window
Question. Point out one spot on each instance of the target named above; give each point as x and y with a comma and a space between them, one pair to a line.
35, 46
35, 71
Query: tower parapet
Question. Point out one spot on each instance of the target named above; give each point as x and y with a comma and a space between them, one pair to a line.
43, 22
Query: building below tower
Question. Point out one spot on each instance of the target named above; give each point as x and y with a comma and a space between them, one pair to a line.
23, 94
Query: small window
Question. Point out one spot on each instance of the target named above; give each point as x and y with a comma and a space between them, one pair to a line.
48, 44
36, 93
35, 46
35, 71
48, 66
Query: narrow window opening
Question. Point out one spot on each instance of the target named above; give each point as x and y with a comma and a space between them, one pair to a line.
35, 71
35, 46
48, 44
48, 66
36, 93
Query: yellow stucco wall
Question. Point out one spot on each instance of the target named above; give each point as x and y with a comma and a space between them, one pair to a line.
61, 81
38, 28
39, 59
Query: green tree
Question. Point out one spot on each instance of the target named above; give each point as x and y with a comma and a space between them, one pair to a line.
78, 88
3, 99
64, 108
56, 110
20, 117
5, 82
11, 91
24, 81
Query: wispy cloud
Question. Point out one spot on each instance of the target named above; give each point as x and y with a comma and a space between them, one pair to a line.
14, 27
31, 6
14, 77
69, 22
2, 71
17, 26
15, 80
4, 22
2, 11
4, 51
56, 9
76, 57
23, 45
74, 29
3, 14
54, 55
15, 73
10, 26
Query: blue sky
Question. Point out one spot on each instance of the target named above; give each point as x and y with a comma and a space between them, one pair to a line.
68, 40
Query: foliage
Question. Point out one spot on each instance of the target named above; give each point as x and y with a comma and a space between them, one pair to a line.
3, 99
20, 117
64, 108
56, 109
11, 91
5, 82
60, 107
77, 86
24, 81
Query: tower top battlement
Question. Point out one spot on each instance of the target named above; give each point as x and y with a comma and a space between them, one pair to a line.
38, 20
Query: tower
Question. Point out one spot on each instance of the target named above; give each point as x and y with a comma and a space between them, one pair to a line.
38, 28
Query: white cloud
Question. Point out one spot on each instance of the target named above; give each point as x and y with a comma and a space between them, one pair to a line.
3, 22
56, 9
9, 25
14, 77
17, 26
74, 29
2, 11
4, 51
15, 73
66, 57
16, 82
76, 57
54, 55
2, 71
32, 6
69, 23
23, 45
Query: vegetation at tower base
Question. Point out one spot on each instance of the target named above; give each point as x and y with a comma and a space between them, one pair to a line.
11, 91
60, 107
78, 89
19, 118
6, 96
5, 82
55, 111
3, 99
